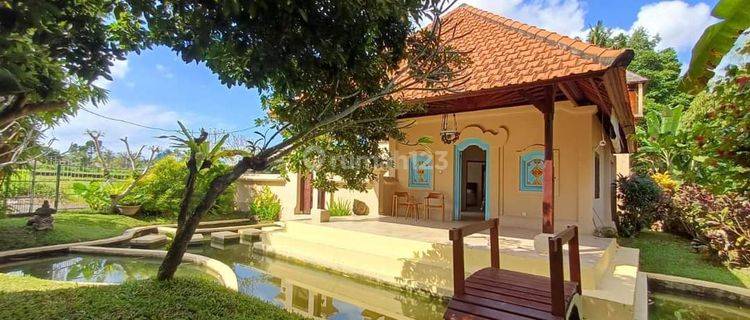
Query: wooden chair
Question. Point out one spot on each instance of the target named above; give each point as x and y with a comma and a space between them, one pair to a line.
438, 196
403, 199
493, 293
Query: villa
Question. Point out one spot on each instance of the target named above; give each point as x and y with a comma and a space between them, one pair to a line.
535, 137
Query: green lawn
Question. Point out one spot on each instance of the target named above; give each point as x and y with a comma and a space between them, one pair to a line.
669, 254
69, 227
182, 298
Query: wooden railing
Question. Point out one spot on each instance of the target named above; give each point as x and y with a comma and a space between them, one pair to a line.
457, 237
557, 276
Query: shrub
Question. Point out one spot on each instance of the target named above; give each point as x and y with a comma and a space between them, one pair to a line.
641, 199
721, 223
160, 190
689, 204
94, 194
339, 208
265, 205
665, 181
728, 230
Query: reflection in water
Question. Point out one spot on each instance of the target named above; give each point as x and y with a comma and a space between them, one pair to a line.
677, 307
90, 268
320, 294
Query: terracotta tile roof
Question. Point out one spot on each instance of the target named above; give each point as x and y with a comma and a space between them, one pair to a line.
504, 52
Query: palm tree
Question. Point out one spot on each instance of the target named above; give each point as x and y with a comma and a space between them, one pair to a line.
599, 35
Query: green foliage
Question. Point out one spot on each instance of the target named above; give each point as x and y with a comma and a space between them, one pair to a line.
662, 143
52, 51
187, 298
339, 208
18, 184
641, 200
160, 190
721, 139
325, 70
662, 68
708, 144
265, 205
94, 193
716, 42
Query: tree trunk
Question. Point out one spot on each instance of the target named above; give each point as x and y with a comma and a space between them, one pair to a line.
184, 233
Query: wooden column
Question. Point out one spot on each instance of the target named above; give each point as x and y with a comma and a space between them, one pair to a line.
548, 186
546, 104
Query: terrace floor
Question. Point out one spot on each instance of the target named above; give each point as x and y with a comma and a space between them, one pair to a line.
512, 239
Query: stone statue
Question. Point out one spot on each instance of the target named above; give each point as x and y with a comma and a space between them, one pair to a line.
42, 219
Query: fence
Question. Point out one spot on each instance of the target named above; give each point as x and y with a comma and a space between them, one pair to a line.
27, 188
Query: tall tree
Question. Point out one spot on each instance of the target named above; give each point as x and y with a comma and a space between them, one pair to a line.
329, 71
50, 54
52, 51
661, 67
600, 35
661, 140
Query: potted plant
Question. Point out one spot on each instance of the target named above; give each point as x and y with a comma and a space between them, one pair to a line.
130, 205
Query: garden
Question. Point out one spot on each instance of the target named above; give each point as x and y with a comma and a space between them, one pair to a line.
691, 181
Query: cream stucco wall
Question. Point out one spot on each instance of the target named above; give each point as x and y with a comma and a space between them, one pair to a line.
511, 132
287, 190
284, 188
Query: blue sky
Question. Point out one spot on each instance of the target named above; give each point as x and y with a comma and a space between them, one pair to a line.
157, 89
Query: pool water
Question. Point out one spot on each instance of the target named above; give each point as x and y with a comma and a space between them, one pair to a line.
667, 306
317, 293
96, 268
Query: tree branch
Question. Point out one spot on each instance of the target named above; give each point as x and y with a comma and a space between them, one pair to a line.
20, 108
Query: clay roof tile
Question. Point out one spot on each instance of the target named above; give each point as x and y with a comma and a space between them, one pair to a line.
506, 52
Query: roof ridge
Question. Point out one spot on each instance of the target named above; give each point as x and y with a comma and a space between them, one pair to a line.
604, 56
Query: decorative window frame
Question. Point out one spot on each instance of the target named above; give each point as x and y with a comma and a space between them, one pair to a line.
523, 174
536, 149
428, 173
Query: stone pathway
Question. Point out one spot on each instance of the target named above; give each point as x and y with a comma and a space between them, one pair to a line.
149, 241
224, 237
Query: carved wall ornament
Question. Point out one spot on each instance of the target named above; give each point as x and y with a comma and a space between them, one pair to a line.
480, 127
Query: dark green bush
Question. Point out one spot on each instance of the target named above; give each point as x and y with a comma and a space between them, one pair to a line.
641, 200
161, 189
265, 205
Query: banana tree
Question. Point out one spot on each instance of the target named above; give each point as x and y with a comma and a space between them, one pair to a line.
661, 141
716, 42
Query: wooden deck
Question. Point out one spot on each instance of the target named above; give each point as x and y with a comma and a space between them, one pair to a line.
494, 293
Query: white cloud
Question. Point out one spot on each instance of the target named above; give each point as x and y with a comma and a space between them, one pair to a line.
118, 70
164, 71
149, 115
678, 23
562, 16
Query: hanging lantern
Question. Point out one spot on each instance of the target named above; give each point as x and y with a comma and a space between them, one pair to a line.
449, 135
